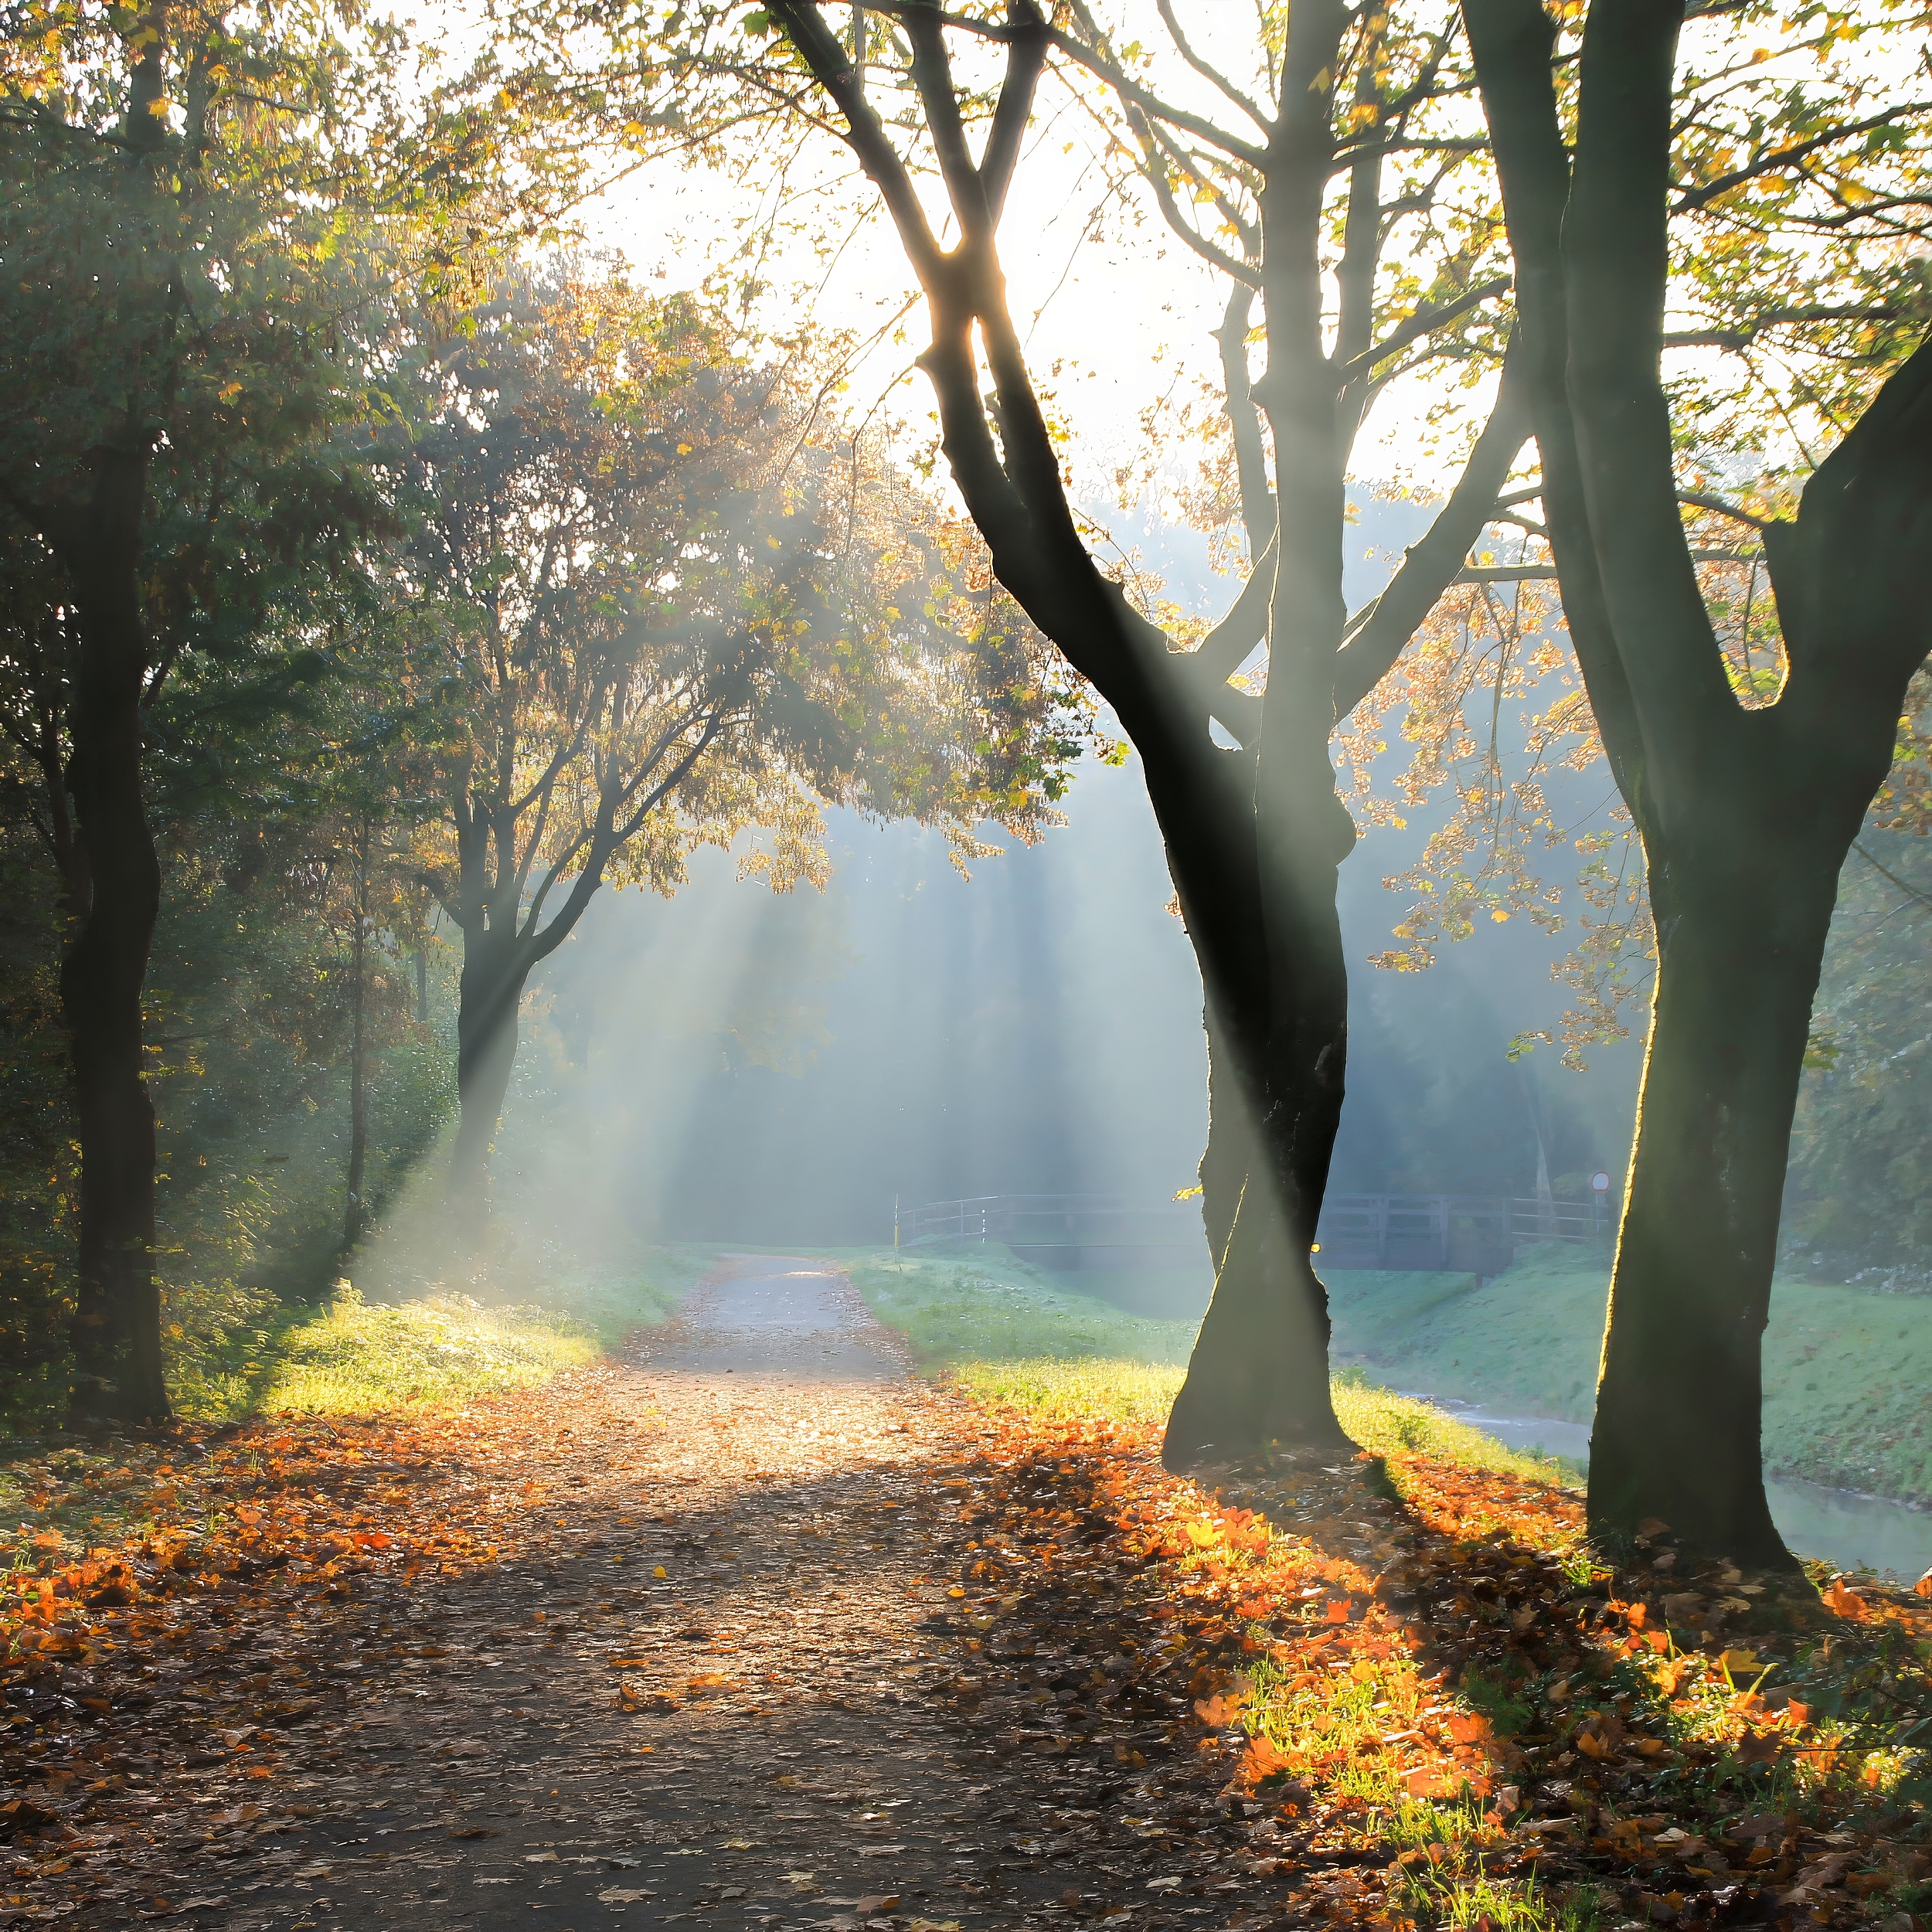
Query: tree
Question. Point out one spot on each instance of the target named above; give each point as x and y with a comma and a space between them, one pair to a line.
667, 614
187, 256
1353, 128
1746, 811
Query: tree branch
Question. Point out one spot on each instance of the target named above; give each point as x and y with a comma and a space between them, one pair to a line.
1244, 422
1615, 263
1208, 72
1423, 322
1513, 43
1692, 198
1016, 106
1373, 642
865, 133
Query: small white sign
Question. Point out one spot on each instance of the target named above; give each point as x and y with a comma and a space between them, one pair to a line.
1600, 1182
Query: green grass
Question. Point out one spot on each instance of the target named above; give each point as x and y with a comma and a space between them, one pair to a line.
355, 1358
441, 1345
1010, 1335
1074, 1389
1848, 1373
986, 1306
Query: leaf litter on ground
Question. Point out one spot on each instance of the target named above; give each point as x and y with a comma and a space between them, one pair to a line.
1400, 1692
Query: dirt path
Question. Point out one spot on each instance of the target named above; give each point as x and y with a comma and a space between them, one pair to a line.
756, 1630
754, 1518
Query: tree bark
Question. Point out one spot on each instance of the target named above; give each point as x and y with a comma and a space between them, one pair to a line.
495, 967
1679, 1402
355, 1216
117, 1325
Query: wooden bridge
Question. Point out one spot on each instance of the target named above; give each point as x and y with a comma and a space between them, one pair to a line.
1460, 1233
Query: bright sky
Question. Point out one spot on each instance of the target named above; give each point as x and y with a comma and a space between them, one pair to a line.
1122, 323
1114, 324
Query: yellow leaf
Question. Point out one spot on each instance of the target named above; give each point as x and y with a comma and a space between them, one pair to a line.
661, 1571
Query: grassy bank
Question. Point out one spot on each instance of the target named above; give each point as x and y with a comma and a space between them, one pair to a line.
1847, 1371
1007, 1333
357, 1356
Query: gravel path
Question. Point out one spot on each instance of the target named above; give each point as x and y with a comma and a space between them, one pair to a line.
721, 1685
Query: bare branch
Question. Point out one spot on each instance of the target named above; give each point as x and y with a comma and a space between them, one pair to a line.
1423, 322
1698, 500
1208, 72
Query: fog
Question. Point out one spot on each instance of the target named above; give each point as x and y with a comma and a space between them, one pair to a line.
734, 1065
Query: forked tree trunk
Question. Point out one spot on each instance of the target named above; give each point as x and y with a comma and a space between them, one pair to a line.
1253, 841
1746, 816
117, 1325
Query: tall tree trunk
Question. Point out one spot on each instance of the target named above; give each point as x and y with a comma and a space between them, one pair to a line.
495, 966
1679, 1401
355, 1216
1746, 816
1258, 1373
117, 1323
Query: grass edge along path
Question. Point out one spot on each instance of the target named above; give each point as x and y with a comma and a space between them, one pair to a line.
1007, 1334
1432, 1706
1450, 1713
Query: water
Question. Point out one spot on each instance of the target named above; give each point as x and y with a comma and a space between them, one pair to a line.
1838, 1525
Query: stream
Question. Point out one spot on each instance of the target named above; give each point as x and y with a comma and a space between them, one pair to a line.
1838, 1525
